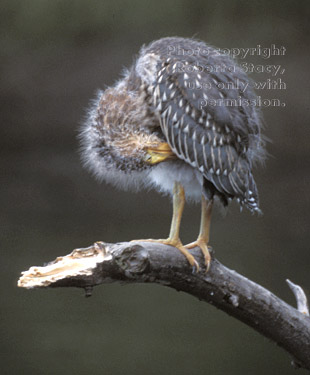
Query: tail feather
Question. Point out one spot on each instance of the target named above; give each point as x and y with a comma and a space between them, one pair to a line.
251, 199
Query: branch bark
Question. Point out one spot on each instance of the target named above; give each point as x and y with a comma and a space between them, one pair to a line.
145, 262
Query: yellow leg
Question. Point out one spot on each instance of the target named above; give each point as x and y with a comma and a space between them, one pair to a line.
178, 208
174, 238
204, 233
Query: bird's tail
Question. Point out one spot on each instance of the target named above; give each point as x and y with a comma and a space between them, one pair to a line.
251, 200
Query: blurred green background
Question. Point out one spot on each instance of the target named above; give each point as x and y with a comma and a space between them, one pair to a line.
54, 56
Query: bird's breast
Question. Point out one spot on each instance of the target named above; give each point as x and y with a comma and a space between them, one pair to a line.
162, 178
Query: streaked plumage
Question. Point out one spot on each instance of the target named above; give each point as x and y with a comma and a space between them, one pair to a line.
158, 102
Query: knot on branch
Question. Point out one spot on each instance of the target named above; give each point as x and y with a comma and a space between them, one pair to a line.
133, 260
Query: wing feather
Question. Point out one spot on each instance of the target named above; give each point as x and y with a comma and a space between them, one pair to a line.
213, 139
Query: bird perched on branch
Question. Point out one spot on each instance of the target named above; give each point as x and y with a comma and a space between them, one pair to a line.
183, 120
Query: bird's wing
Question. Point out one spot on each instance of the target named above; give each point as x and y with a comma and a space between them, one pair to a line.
212, 138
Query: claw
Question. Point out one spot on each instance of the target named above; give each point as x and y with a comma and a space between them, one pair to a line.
204, 249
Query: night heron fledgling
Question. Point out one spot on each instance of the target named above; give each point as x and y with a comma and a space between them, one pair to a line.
183, 120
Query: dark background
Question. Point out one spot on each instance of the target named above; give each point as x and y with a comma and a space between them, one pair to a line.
54, 56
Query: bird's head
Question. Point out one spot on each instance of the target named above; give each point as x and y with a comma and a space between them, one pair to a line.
119, 139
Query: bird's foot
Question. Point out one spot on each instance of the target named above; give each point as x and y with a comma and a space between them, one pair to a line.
178, 244
204, 249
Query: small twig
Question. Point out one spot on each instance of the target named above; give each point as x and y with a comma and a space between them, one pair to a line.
302, 303
156, 263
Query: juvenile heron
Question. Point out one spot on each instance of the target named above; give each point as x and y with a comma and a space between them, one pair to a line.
182, 120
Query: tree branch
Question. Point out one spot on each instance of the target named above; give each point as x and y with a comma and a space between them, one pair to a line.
145, 262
